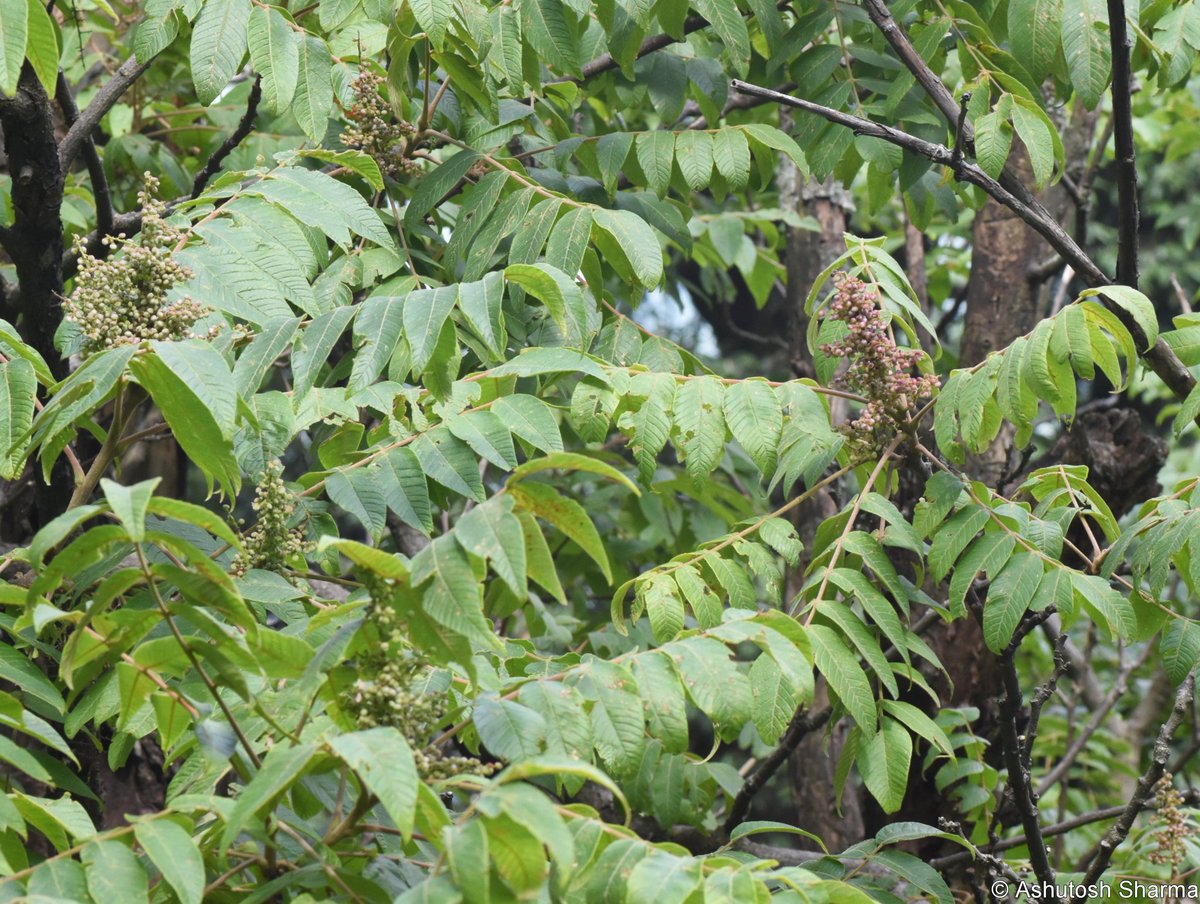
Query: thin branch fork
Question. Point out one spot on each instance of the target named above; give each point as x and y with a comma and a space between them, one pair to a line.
105, 99
1159, 356
91, 156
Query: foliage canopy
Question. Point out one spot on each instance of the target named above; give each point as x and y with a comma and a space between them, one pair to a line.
465, 584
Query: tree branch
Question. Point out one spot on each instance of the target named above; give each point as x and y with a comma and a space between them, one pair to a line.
104, 100
1043, 694
1018, 775
1159, 356
802, 723
926, 78
213, 166
91, 156
1127, 180
1103, 852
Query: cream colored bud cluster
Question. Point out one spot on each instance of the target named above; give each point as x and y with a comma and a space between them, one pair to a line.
274, 542
384, 694
122, 299
374, 131
1174, 829
878, 368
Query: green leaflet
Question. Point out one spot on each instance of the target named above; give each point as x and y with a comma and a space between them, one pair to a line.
544, 25
694, 154
129, 504
567, 515
114, 873
531, 419
755, 419
194, 389
218, 45
774, 701
312, 102
423, 314
651, 422
1085, 44
568, 240
840, 668
883, 762
41, 45
275, 55
281, 767
1009, 598
618, 729
656, 156
993, 138
713, 681
1038, 134
1179, 647
729, 25
700, 419
451, 594
434, 18
612, 149
492, 532
731, 154
18, 388
1035, 33
561, 295
14, 19
634, 240
174, 854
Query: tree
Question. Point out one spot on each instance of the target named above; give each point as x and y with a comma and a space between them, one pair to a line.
362, 545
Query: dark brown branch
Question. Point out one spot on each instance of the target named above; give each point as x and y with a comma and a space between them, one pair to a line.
1043, 694
960, 128
745, 102
1127, 181
1159, 356
91, 156
104, 100
925, 76
245, 124
1018, 773
606, 62
802, 723
1103, 852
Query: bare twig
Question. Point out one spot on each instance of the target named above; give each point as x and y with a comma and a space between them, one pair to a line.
1185, 303
1044, 693
1059, 828
1101, 855
245, 124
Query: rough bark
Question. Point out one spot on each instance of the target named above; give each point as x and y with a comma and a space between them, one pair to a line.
35, 241
808, 253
